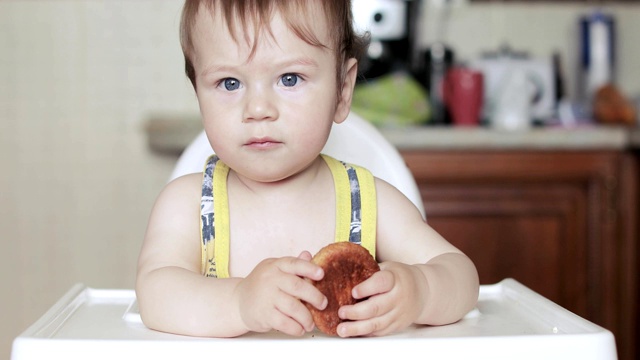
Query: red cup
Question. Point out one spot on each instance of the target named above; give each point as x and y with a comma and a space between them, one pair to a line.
462, 92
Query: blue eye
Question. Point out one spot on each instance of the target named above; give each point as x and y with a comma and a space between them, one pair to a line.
231, 84
289, 80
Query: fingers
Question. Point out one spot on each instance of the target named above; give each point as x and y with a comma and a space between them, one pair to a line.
371, 327
371, 308
305, 255
382, 310
272, 296
374, 316
276, 310
292, 311
303, 290
295, 289
301, 267
391, 301
290, 326
380, 282
298, 287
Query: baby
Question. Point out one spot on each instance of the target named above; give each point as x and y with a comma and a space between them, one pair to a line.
228, 252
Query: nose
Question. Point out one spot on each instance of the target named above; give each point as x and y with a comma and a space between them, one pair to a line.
259, 105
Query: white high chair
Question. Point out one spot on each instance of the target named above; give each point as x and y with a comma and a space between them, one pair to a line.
510, 322
354, 141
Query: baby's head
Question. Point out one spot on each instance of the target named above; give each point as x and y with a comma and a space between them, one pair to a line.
345, 44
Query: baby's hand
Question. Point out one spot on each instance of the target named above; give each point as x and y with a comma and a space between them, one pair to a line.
270, 296
395, 302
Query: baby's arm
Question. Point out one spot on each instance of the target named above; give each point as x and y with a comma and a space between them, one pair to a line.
175, 297
423, 278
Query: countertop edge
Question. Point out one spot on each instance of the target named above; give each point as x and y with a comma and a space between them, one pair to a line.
173, 135
451, 138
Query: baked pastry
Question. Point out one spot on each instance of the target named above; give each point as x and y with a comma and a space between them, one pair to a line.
611, 107
345, 265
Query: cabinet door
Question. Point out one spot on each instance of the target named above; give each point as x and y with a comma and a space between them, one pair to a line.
546, 219
533, 233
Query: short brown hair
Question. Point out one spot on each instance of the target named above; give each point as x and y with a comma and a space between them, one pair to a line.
346, 43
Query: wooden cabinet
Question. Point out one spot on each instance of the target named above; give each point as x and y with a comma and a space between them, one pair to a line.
563, 223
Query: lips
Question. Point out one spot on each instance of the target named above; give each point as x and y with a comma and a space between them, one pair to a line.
262, 143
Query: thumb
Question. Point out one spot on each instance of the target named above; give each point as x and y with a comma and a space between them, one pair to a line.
305, 255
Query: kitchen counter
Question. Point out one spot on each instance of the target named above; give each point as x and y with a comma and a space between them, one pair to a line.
479, 138
171, 135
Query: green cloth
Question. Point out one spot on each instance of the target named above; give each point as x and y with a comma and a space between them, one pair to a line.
396, 99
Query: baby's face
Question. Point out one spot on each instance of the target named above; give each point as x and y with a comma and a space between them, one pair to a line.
269, 114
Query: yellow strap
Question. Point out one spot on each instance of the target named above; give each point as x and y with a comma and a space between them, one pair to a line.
343, 198
203, 264
343, 203
369, 208
221, 220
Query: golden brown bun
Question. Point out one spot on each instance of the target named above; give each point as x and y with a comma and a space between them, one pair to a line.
611, 107
345, 265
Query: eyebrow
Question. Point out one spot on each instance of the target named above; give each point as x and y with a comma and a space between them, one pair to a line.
214, 69
302, 61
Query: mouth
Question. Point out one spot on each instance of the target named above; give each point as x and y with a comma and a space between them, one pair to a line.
262, 143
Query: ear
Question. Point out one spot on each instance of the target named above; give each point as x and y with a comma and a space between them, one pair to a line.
346, 91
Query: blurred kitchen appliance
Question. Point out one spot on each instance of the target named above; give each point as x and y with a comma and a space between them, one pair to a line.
597, 31
436, 61
431, 66
504, 69
390, 24
462, 90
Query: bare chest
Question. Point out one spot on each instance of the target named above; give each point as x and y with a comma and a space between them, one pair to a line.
277, 231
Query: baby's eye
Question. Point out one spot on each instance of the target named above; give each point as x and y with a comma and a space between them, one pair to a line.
289, 80
231, 84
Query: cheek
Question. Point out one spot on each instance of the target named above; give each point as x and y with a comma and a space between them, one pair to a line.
220, 140
213, 120
214, 109
313, 132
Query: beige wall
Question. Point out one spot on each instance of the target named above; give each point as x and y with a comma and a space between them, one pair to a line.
78, 79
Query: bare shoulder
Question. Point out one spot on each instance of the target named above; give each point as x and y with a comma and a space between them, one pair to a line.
177, 201
172, 236
184, 184
392, 200
402, 234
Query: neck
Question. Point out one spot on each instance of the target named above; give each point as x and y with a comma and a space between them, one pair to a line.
293, 186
